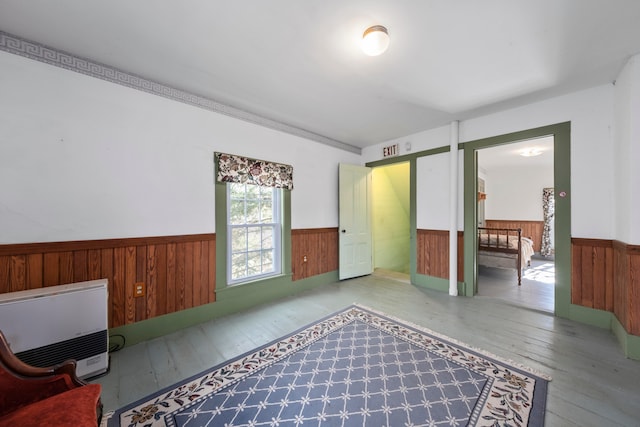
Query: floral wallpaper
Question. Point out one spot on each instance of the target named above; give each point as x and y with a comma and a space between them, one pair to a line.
232, 168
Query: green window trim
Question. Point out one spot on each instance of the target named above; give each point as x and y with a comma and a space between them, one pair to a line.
221, 247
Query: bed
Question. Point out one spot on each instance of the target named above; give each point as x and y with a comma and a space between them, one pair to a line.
504, 248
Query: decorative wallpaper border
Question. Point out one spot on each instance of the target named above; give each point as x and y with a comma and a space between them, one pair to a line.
36, 51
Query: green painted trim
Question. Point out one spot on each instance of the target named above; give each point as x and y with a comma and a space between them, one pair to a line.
469, 240
221, 235
413, 220
562, 226
590, 316
163, 325
435, 283
630, 343
239, 297
286, 233
407, 157
413, 210
562, 182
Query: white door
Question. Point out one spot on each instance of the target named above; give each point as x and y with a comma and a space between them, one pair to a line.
356, 253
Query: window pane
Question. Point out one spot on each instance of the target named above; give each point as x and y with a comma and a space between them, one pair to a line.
267, 237
266, 193
238, 266
267, 261
253, 232
253, 192
236, 212
238, 239
253, 212
237, 190
266, 211
254, 264
254, 242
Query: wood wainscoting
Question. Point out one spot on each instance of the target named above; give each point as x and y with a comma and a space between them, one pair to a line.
626, 293
592, 273
178, 271
319, 246
530, 229
433, 253
605, 275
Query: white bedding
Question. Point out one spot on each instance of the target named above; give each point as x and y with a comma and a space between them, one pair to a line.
485, 257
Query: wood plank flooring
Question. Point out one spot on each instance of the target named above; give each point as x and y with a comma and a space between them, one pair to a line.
536, 291
593, 383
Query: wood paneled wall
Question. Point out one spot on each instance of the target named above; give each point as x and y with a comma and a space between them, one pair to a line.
592, 273
626, 293
320, 246
433, 253
605, 275
178, 271
530, 229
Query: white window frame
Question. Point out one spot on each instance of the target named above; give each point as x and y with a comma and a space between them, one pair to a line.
275, 225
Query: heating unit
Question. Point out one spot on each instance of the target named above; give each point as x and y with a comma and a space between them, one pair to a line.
49, 325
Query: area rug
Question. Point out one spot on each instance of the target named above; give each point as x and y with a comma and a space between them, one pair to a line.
357, 367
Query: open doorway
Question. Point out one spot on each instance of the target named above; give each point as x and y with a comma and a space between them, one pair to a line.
391, 200
515, 192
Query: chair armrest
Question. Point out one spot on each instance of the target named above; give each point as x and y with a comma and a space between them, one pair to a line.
20, 369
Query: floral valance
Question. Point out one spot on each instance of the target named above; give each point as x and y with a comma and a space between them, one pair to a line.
232, 168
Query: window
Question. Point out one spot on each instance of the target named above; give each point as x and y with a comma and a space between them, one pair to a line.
254, 230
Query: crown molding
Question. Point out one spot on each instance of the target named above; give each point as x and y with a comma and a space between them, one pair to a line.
39, 52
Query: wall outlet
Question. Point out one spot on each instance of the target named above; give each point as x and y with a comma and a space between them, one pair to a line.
304, 258
138, 290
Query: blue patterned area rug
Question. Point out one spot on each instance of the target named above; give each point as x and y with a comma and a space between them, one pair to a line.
357, 367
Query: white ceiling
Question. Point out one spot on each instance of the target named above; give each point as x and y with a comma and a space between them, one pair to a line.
508, 155
299, 62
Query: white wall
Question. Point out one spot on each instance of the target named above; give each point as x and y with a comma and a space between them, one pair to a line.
432, 195
627, 153
515, 193
591, 115
81, 158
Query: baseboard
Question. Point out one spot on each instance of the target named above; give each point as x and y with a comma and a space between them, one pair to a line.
233, 302
435, 283
630, 343
590, 316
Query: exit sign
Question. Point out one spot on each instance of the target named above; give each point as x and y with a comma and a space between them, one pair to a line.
391, 150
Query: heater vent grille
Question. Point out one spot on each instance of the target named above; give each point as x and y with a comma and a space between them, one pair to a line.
78, 348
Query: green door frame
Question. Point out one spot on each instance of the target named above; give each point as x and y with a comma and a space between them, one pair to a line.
412, 159
562, 227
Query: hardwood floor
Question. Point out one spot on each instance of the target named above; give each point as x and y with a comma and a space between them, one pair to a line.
536, 291
592, 382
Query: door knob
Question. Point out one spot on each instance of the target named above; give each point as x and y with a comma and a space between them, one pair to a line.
344, 231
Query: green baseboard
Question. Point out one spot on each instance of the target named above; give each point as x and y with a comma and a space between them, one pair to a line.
231, 300
435, 283
630, 343
590, 316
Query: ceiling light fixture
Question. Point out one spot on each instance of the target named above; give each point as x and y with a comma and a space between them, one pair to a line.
531, 152
375, 40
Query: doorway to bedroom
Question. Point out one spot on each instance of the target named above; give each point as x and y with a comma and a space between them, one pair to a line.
515, 212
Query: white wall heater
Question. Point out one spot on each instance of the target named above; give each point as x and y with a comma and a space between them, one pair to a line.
49, 325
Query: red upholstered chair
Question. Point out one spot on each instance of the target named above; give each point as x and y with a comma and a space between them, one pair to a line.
52, 396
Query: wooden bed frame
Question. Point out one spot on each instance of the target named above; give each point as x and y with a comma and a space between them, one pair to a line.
494, 249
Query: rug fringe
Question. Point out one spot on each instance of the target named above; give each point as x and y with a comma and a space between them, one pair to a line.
104, 422
457, 342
